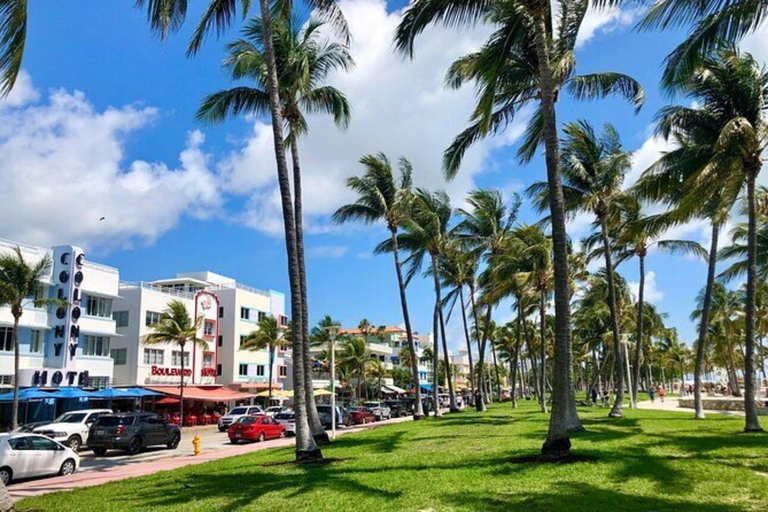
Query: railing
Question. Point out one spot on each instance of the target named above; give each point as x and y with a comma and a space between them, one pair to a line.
157, 288
238, 286
102, 267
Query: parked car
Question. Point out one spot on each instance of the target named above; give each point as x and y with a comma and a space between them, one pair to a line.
379, 409
342, 417
72, 428
255, 428
30, 427
288, 420
397, 408
132, 432
275, 409
236, 413
27, 455
361, 415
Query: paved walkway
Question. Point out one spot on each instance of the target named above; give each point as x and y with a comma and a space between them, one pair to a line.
100, 470
670, 403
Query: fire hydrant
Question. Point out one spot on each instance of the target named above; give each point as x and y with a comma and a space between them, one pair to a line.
196, 443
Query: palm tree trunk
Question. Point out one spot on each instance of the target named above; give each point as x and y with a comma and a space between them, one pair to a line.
418, 411
752, 422
318, 432
466, 336
516, 355
484, 341
438, 304
543, 351
496, 368
639, 340
532, 361
306, 448
435, 363
704, 324
181, 388
480, 347
15, 411
618, 360
271, 364
557, 444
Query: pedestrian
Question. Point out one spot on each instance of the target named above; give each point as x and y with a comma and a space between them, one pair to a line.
652, 394
606, 398
478, 401
594, 396
662, 393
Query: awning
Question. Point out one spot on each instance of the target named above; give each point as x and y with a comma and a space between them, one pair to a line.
167, 401
428, 387
39, 394
208, 394
112, 393
393, 389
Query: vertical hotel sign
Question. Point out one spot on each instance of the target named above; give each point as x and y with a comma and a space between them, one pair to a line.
68, 280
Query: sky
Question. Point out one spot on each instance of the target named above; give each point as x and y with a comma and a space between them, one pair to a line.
101, 124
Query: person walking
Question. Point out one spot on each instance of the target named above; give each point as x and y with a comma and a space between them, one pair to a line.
594, 396
662, 393
652, 394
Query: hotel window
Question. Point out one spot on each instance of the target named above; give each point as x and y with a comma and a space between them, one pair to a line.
260, 370
6, 380
98, 306
95, 346
221, 340
245, 313
243, 370
153, 318
36, 341
283, 320
209, 329
208, 359
120, 318
153, 356
6, 339
218, 370
176, 358
99, 382
242, 340
119, 356
221, 311
283, 371
262, 315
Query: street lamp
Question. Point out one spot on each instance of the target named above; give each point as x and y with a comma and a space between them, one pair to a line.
332, 335
625, 341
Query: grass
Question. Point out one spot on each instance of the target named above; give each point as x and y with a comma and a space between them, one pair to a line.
648, 460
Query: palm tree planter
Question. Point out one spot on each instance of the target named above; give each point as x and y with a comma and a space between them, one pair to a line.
176, 328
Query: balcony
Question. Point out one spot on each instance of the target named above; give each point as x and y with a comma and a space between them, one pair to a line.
379, 348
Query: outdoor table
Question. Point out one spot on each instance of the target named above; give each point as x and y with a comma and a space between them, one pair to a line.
205, 419
190, 420
175, 419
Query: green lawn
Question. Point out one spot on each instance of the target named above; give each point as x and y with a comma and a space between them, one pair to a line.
648, 460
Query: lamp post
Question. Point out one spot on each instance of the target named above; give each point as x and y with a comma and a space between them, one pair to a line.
332, 335
625, 341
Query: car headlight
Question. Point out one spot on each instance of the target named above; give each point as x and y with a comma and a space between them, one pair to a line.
58, 434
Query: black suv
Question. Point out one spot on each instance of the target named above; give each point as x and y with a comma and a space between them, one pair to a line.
132, 432
397, 407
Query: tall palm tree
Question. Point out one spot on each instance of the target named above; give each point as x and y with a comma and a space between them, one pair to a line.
383, 198
724, 136
303, 63
593, 170
365, 327
355, 355
525, 60
636, 235
175, 327
22, 284
426, 235
268, 335
484, 229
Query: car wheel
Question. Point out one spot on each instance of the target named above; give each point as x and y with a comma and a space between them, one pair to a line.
262, 437
282, 433
134, 446
74, 443
99, 451
67, 468
174, 442
6, 475
233, 440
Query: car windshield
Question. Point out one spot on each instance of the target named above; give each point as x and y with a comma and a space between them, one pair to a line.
71, 417
355, 408
284, 416
326, 408
371, 404
239, 410
113, 421
248, 420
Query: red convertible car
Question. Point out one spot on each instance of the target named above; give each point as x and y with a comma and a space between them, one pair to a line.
361, 415
257, 427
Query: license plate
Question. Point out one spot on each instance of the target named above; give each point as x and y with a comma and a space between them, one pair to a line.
99, 432
238, 434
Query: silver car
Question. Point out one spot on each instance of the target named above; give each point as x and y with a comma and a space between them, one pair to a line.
381, 411
288, 420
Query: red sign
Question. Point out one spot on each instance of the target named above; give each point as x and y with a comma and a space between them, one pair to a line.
208, 371
157, 370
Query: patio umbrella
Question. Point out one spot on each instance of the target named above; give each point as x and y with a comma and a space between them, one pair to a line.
322, 392
168, 400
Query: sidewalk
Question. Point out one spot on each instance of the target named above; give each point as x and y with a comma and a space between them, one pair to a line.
670, 403
130, 470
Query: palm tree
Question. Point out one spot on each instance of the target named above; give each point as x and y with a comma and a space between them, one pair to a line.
484, 230
365, 327
426, 234
593, 170
22, 284
723, 138
355, 355
303, 63
525, 61
381, 197
268, 335
177, 328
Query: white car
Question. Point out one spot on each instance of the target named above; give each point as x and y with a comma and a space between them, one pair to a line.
28, 455
72, 428
236, 413
276, 409
288, 420
381, 411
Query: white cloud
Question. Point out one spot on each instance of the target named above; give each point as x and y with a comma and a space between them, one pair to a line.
399, 106
651, 292
328, 251
22, 93
603, 21
62, 170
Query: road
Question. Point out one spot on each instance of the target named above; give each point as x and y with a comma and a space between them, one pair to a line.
118, 466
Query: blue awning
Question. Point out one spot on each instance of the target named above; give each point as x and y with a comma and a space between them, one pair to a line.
142, 392
428, 387
72, 393
32, 394
113, 393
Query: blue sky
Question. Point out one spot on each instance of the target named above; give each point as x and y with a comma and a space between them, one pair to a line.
102, 124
